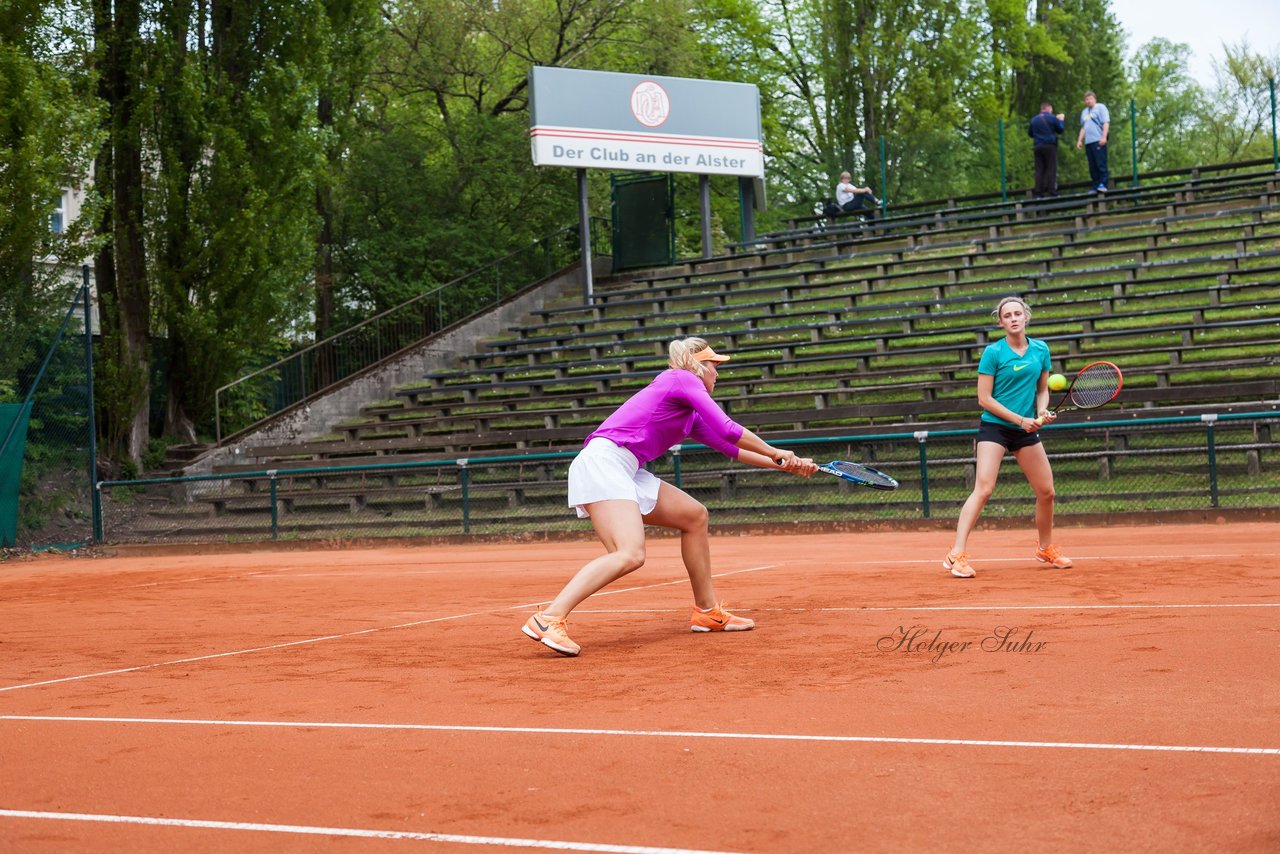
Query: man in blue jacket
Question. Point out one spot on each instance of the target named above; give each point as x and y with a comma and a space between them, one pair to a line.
1044, 130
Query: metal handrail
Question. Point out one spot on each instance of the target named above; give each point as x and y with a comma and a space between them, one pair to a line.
331, 358
463, 466
950, 203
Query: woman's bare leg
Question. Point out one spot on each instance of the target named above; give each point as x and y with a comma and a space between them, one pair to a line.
619, 526
1035, 465
988, 457
677, 509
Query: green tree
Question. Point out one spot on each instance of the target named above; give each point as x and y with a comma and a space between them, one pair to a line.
124, 290
48, 130
351, 39
1168, 103
859, 71
232, 207
440, 181
1237, 122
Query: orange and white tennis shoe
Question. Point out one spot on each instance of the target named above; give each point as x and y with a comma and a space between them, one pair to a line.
718, 620
553, 632
1053, 556
958, 564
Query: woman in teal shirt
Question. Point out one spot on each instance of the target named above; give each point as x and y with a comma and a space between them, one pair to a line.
1013, 386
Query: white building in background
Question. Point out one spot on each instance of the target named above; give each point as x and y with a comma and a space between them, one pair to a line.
66, 210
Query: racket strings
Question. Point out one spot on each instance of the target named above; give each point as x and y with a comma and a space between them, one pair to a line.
866, 474
1095, 385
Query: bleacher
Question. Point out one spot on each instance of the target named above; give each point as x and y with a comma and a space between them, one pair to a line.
846, 329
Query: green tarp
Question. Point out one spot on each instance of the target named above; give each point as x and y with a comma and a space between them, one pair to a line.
13, 444
643, 222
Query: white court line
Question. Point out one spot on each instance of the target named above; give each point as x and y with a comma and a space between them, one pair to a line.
349, 634
505, 841
754, 736
992, 607
1148, 557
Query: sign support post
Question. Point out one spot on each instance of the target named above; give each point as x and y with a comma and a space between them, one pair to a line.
584, 238
704, 197
645, 123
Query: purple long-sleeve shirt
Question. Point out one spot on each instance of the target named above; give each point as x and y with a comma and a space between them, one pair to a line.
674, 406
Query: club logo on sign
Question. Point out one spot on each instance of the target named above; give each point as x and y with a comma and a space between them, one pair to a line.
650, 104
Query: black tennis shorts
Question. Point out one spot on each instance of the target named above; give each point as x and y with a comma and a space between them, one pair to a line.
1011, 437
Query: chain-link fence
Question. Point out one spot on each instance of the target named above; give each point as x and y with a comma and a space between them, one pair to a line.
46, 434
1108, 467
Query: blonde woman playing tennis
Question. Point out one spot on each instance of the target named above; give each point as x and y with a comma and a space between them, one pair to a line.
609, 484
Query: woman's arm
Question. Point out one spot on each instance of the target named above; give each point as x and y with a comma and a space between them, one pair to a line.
1042, 399
802, 466
757, 452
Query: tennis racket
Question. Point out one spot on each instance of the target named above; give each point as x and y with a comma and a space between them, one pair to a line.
857, 473
1097, 384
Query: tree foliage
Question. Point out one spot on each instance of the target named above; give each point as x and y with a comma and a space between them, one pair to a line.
267, 172
48, 129
234, 154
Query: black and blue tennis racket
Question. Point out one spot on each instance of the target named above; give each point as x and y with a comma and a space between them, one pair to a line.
857, 473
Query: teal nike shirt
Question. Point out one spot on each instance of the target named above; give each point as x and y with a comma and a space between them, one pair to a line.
1015, 377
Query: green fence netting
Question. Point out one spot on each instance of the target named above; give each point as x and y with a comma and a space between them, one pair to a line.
1121, 468
14, 418
51, 499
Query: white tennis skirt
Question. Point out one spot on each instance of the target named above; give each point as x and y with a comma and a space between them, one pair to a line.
602, 471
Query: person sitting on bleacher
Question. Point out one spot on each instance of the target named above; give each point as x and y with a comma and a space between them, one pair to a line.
851, 199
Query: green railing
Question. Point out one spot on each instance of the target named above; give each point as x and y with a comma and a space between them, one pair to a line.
306, 373
1132, 466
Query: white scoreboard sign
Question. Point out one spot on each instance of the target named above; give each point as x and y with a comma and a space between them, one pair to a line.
601, 119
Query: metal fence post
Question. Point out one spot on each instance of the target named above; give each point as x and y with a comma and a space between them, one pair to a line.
1133, 139
97, 512
884, 181
93, 427
1208, 418
275, 508
464, 477
1275, 148
675, 462
1004, 197
922, 437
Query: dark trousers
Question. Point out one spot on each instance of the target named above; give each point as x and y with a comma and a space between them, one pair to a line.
1097, 156
1046, 171
860, 203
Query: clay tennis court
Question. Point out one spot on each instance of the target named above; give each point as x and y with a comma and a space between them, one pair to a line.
385, 699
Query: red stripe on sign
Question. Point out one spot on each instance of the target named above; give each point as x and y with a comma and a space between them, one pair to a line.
662, 139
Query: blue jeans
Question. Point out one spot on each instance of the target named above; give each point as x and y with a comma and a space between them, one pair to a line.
1097, 155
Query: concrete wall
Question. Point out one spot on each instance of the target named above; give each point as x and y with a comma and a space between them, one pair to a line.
440, 352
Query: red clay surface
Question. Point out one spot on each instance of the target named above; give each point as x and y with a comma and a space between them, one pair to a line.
1159, 637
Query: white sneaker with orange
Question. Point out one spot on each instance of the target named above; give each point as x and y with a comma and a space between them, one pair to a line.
553, 632
958, 564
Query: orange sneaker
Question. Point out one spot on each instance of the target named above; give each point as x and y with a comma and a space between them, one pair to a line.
718, 620
958, 565
1053, 556
552, 631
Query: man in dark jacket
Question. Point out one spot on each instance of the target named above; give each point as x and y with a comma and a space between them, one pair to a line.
1045, 128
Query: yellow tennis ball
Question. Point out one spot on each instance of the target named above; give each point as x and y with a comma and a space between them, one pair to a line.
1057, 382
